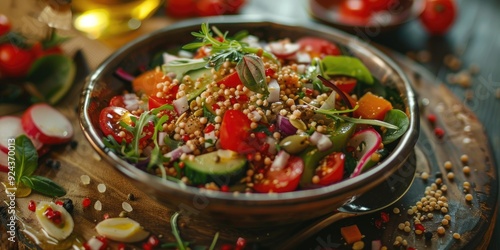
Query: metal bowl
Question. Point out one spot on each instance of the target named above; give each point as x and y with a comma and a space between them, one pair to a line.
244, 210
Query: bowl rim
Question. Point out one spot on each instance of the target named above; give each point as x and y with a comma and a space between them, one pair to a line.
350, 185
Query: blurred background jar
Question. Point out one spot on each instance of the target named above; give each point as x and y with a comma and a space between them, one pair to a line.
106, 18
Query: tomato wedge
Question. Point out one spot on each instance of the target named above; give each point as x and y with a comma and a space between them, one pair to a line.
318, 47
232, 80
331, 169
346, 84
283, 180
235, 131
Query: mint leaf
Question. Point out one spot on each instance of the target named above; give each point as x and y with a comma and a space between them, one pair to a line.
251, 72
26, 157
43, 185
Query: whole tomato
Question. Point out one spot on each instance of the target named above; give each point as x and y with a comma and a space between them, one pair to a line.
5, 24
180, 8
14, 61
438, 16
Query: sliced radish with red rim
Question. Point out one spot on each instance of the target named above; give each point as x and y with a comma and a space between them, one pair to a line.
365, 143
11, 128
47, 124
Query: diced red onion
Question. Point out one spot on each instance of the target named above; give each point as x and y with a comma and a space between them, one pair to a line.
181, 105
284, 126
321, 141
124, 75
176, 153
274, 91
280, 161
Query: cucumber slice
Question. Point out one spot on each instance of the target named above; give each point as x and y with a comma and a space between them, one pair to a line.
205, 77
211, 167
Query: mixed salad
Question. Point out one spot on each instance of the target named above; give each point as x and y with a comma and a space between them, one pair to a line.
240, 114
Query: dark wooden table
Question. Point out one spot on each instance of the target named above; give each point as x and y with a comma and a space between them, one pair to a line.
474, 39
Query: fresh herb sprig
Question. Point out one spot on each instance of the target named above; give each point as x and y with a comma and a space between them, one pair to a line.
26, 159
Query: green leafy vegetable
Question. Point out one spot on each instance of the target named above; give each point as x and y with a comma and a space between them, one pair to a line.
346, 66
399, 119
252, 74
336, 114
181, 66
43, 185
175, 231
26, 158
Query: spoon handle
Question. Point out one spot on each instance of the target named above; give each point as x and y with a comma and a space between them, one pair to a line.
294, 240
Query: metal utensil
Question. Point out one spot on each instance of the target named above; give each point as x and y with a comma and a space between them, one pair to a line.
378, 198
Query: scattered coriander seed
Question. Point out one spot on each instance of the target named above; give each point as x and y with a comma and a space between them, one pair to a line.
407, 229
464, 158
396, 243
131, 197
444, 210
358, 245
127, 207
424, 176
447, 216
466, 184
85, 179
444, 188
101, 188
399, 238
468, 197
450, 176
401, 226
418, 232
123, 214
439, 181
441, 230
430, 215
466, 170
445, 222
456, 236
98, 205
410, 211
405, 243
396, 210
448, 165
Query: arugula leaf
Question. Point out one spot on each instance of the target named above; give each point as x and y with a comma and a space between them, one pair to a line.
399, 119
26, 157
43, 185
252, 74
346, 66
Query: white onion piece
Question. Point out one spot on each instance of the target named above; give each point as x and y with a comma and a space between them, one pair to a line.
272, 145
161, 138
321, 141
371, 140
176, 153
181, 105
168, 58
252, 41
280, 161
226, 153
185, 54
131, 101
255, 116
274, 91
301, 68
210, 139
303, 57
330, 101
283, 49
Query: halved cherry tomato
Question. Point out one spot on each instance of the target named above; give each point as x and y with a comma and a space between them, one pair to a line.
346, 84
117, 101
331, 169
438, 15
234, 132
210, 7
232, 80
284, 180
318, 47
109, 121
14, 61
180, 8
5, 24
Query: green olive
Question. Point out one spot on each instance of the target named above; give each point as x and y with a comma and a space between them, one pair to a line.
294, 144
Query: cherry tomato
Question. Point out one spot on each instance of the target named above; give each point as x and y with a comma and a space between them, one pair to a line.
379, 5
234, 6
180, 8
234, 132
355, 12
117, 101
109, 121
232, 80
210, 7
346, 84
14, 61
438, 16
331, 169
5, 25
284, 180
318, 47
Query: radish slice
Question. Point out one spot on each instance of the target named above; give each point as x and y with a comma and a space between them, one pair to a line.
371, 140
46, 124
283, 49
10, 127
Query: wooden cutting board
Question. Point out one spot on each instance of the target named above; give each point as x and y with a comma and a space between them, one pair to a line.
464, 134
